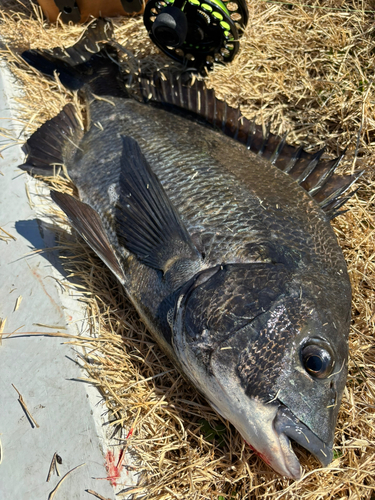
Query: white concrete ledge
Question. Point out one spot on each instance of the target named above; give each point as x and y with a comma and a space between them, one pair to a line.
39, 367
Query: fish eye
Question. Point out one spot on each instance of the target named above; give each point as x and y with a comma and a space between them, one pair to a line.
317, 360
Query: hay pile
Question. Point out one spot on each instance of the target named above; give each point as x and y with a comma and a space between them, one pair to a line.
309, 69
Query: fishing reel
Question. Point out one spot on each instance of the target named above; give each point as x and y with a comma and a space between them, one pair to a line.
196, 33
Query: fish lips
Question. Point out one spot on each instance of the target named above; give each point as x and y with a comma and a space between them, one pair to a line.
288, 425
269, 430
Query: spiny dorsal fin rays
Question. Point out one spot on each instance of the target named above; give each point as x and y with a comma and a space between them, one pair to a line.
293, 160
310, 167
266, 131
333, 209
251, 134
322, 177
307, 169
334, 194
278, 149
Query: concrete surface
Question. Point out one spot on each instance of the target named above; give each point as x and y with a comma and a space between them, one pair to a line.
41, 368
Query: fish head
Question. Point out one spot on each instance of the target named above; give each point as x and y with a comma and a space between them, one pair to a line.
269, 352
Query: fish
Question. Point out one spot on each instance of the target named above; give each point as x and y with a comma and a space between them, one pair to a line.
220, 235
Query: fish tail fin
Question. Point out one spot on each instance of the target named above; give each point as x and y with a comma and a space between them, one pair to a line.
91, 63
53, 142
315, 174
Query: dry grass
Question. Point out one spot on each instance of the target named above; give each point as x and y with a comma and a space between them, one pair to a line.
309, 69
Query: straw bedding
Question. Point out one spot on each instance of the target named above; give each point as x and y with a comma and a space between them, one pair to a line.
308, 68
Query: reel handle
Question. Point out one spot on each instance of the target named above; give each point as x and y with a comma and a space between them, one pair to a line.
170, 27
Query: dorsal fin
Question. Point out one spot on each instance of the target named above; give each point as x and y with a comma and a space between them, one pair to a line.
308, 169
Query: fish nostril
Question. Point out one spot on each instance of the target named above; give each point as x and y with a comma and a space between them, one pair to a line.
331, 385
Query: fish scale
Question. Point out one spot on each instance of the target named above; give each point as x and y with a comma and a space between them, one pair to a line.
240, 215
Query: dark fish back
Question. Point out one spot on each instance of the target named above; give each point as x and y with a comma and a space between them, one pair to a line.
234, 202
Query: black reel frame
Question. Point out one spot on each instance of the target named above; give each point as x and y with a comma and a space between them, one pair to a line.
196, 33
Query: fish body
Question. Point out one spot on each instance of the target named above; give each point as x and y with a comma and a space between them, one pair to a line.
232, 265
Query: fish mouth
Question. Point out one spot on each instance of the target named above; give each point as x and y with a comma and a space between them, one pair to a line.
287, 426
270, 433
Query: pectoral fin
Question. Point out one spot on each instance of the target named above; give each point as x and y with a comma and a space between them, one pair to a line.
148, 225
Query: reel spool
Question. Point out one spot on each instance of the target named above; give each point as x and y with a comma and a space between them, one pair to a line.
196, 33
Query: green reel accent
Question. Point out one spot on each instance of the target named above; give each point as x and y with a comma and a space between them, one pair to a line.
206, 7
196, 33
221, 6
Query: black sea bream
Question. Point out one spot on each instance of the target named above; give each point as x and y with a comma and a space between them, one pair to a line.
227, 254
